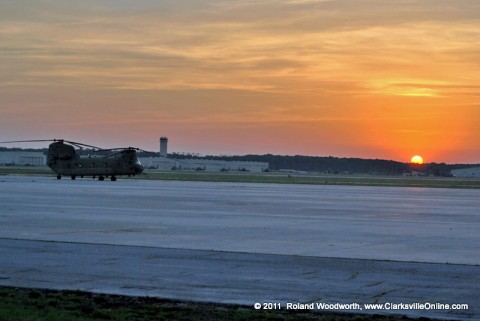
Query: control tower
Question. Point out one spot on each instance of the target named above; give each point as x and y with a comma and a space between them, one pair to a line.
163, 146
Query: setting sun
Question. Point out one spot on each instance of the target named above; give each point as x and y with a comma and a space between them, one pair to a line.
416, 160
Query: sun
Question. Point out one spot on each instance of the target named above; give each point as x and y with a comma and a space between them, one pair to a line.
416, 159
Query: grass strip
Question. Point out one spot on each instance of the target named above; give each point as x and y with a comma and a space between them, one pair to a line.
387, 181
21, 304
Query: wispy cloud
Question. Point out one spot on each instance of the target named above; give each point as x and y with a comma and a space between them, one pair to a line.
224, 45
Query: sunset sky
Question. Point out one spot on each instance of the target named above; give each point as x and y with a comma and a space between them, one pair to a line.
355, 78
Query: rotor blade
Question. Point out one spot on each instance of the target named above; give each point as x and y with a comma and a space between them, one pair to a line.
109, 149
147, 152
120, 149
31, 141
81, 144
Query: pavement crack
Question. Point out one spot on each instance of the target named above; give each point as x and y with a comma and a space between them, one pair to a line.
380, 295
374, 284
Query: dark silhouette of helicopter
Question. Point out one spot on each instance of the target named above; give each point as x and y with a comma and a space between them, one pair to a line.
102, 163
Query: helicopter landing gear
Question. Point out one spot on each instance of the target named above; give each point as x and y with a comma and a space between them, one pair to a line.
59, 176
101, 178
113, 178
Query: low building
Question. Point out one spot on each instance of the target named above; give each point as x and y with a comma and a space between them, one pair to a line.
22, 158
209, 165
414, 174
466, 172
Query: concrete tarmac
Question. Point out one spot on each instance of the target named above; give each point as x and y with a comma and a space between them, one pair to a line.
245, 243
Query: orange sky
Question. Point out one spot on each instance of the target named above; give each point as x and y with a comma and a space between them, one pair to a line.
354, 78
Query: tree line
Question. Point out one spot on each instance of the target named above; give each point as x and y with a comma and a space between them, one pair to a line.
335, 165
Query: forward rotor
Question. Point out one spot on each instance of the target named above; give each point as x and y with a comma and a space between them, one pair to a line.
79, 145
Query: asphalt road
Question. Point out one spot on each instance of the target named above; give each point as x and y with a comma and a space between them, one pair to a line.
245, 243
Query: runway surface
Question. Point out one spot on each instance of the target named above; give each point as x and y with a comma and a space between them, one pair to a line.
244, 243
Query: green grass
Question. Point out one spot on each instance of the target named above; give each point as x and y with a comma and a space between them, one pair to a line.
20, 304
393, 181
26, 170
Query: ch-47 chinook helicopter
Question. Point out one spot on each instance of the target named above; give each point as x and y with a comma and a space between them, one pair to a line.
64, 161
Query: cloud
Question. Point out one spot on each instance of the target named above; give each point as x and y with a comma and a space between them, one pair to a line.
217, 44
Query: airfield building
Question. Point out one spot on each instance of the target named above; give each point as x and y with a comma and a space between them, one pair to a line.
22, 158
466, 172
166, 164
